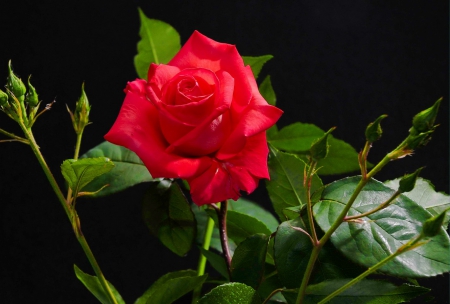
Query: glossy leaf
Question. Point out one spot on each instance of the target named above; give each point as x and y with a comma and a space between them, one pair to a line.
240, 226
266, 90
256, 63
248, 207
425, 195
366, 291
247, 265
292, 250
93, 284
373, 238
128, 170
285, 186
298, 137
159, 43
216, 261
168, 215
231, 293
79, 173
171, 287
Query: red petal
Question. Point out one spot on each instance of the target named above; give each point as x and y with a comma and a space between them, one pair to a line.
202, 52
137, 128
213, 186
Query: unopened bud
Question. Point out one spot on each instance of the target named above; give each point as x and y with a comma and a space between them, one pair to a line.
80, 117
3, 99
424, 121
408, 182
15, 84
419, 140
31, 97
319, 149
373, 130
433, 226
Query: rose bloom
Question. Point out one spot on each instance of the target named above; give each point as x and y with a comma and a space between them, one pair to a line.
200, 118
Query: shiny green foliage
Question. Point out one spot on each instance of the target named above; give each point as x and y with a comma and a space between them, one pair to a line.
168, 215
93, 284
159, 43
368, 240
171, 287
128, 170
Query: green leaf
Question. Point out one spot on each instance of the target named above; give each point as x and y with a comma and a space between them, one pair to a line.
292, 250
79, 173
171, 287
425, 195
248, 207
285, 186
216, 261
247, 265
366, 291
93, 284
371, 239
240, 226
341, 158
159, 43
298, 137
128, 170
256, 63
231, 293
168, 215
266, 90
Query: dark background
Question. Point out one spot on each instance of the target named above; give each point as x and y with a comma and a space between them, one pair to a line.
336, 63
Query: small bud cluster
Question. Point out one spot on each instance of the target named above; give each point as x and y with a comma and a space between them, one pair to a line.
17, 102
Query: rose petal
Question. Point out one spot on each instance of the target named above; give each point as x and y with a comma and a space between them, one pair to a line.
225, 180
253, 121
209, 135
137, 128
160, 74
138, 86
192, 111
202, 52
253, 156
213, 186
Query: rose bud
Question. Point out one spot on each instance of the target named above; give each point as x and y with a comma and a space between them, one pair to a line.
200, 118
31, 97
15, 84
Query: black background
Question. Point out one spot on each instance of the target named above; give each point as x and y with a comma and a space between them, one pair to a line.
336, 63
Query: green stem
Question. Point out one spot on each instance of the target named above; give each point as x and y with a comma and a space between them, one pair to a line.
46, 169
202, 259
75, 156
312, 166
222, 218
71, 214
363, 158
338, 222
381, 206
308, 271
87, 251
272, 294
410, 245
14, 137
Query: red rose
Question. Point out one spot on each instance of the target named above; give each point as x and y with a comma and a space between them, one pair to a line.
200, 118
